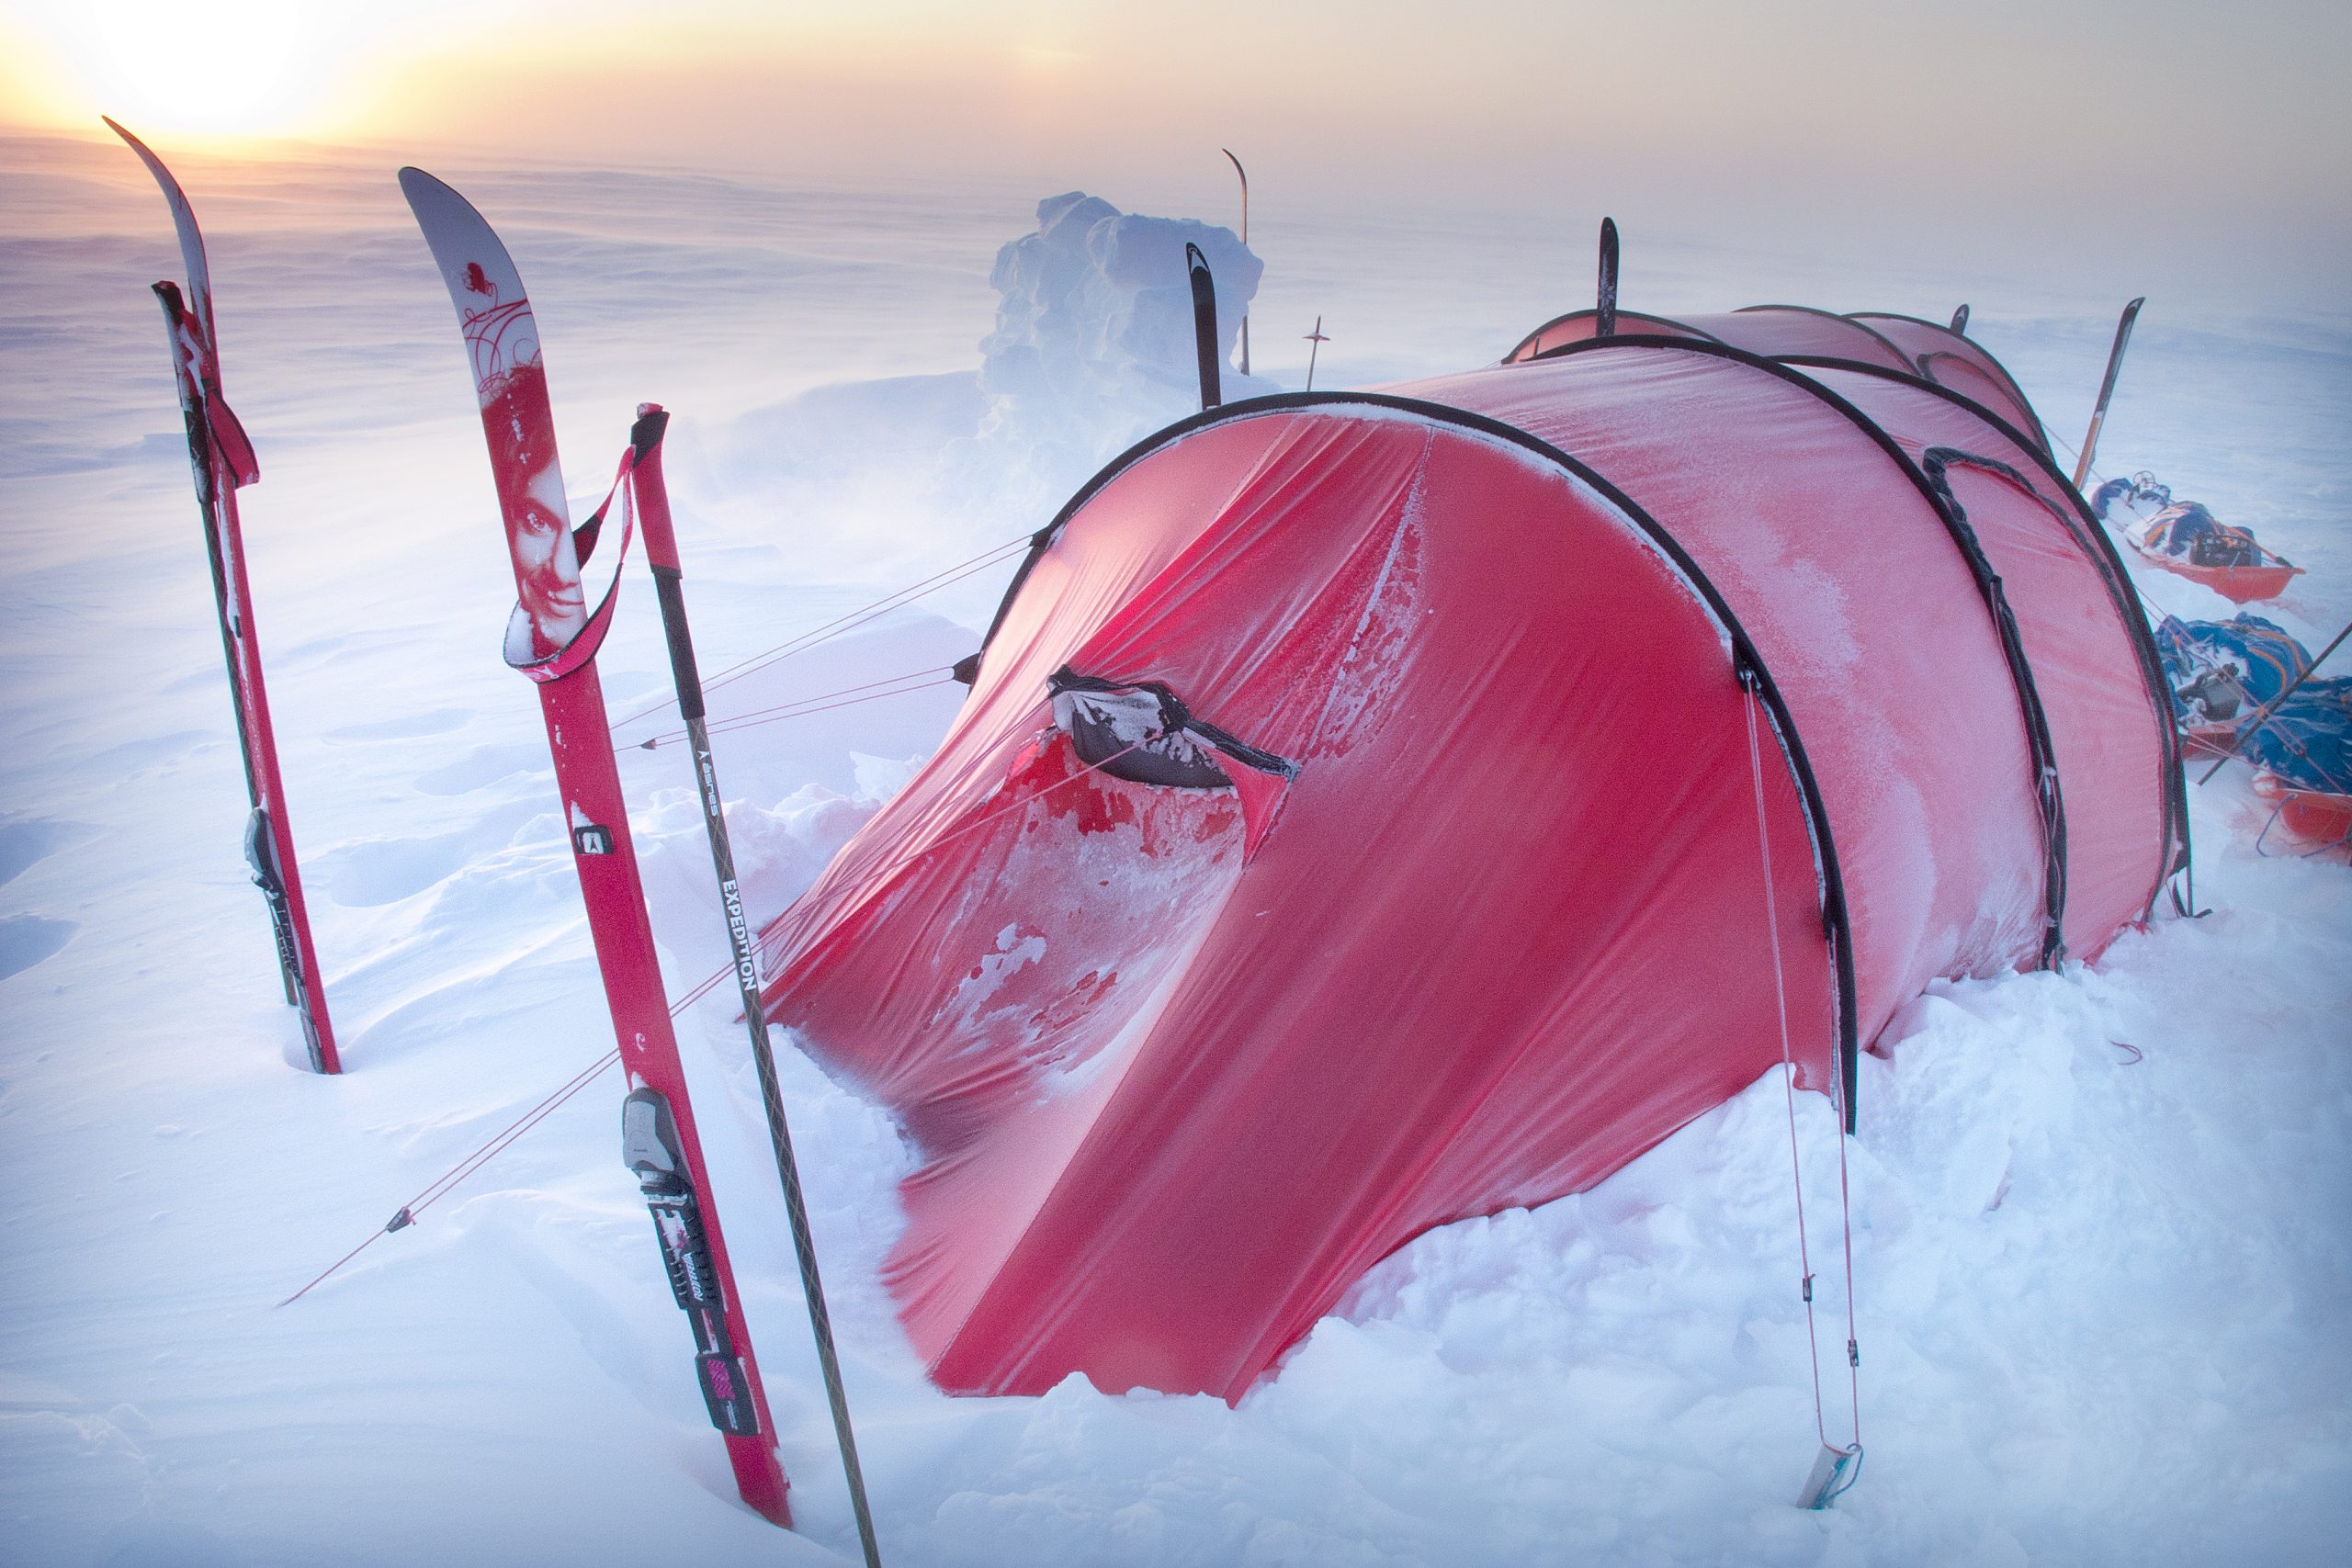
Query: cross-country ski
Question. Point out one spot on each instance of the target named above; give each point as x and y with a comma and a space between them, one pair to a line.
553, 637
221, 459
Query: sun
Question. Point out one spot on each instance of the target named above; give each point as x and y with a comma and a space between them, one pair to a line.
228, 67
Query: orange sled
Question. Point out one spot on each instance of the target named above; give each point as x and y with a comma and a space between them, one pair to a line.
2239, 584
2316, 818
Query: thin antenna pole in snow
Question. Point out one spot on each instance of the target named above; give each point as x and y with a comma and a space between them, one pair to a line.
1316, 341
2106, 388
1245, 242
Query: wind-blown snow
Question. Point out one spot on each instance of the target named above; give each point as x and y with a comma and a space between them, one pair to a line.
2105, 1302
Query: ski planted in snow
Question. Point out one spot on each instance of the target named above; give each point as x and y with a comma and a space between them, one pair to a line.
552, 638
2106, 388
1960, 321
1204, 345
1604, 310
652, 497
222, 459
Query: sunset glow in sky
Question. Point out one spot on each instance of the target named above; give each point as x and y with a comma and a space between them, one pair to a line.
1810, 116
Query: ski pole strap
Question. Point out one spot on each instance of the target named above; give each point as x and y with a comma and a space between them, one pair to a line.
584, 643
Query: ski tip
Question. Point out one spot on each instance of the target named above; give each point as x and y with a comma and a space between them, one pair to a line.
426, 191
415, 182
146, 153
116, 127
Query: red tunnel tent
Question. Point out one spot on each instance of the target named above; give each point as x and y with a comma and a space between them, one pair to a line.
1801, 333
1354, 827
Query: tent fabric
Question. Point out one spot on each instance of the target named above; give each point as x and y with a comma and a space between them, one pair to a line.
2081, 633
1843, 570
1802, 334
1479, 912
1955, 360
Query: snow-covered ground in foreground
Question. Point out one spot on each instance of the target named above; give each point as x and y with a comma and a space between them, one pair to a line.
2105, 1294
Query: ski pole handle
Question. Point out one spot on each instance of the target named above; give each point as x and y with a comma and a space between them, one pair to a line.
662, 553
652, 495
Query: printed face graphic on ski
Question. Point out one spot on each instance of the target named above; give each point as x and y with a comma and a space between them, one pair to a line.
538, 528
512, 383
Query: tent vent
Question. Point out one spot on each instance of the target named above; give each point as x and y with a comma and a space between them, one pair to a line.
1145, 734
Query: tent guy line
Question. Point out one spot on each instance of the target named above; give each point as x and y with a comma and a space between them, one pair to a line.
498, 1142
823, 702
864, 614
1822, 1495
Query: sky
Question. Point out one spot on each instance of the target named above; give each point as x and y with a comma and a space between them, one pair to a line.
2175, 145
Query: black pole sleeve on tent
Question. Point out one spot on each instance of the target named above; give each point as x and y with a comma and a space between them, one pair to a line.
2100, 549
1605, 299
1203, 323
1835, 918
1936, 463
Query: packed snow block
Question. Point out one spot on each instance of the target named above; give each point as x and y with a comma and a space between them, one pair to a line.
1093, 343
1353, 827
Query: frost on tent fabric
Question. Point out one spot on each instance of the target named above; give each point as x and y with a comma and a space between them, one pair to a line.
1182, 1058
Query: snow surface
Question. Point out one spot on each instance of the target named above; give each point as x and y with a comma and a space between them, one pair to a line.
2103, 1292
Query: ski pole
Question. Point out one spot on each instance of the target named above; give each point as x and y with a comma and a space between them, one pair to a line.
669, 582
2271, 706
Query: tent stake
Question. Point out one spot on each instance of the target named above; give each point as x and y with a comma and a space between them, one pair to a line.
1245, 246
2106, 388
1833, 1472
2269, 707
